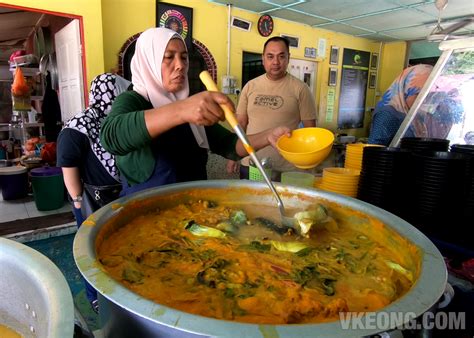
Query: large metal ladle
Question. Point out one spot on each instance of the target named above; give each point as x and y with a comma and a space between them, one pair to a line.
230, 117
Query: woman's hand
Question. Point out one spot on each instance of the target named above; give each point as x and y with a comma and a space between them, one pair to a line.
276, 133
204, 108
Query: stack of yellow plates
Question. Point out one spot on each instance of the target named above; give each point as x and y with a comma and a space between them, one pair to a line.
354, 152
343, 181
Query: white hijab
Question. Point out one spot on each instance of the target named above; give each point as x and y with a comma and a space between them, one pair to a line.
146, 73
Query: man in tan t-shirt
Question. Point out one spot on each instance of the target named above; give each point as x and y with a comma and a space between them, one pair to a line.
275, 98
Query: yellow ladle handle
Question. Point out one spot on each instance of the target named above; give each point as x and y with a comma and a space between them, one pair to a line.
211, 86
229, 115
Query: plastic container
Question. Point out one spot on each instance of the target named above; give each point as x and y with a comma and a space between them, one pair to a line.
255, 174
21, 103
14, 182
297, 178
48, 188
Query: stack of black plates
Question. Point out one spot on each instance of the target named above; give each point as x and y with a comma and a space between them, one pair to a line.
439, 192
468, 150
383, 178
463, 149
420, 144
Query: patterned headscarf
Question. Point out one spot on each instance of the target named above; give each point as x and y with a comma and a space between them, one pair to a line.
146, 73
104, 89
403, 91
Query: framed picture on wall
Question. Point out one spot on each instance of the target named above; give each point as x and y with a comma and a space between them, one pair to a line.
334, 56
241, 24
374, 59
293, 40
372, 79
332, 81
177, 18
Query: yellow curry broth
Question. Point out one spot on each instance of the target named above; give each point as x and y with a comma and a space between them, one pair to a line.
6, 332
233, 278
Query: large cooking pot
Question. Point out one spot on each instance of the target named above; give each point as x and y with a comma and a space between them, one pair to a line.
35, 299
126, 314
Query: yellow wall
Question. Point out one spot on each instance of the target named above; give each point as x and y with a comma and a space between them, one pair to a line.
109, 23
393, 62
91, 13
124, 18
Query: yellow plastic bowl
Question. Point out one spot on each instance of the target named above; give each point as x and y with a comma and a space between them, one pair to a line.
339, 172
307, 147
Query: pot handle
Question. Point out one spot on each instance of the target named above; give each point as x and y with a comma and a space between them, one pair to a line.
448, 295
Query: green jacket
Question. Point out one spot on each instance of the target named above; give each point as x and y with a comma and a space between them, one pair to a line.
124, 134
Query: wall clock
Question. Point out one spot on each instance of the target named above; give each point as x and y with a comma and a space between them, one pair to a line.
265, 25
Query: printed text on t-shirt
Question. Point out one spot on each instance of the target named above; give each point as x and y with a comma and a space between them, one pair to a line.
270, 101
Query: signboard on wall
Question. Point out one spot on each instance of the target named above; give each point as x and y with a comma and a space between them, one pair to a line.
355, 70
177, 18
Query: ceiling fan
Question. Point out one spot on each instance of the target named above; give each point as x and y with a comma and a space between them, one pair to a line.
439, 33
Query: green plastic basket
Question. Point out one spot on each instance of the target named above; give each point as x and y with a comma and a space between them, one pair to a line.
256, 175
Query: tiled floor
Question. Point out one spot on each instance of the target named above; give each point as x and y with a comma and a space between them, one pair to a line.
24, 208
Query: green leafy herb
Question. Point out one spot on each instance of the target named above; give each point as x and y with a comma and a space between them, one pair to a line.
304, 252
256, 245
132, 275
238, 217
207, 254
229, 293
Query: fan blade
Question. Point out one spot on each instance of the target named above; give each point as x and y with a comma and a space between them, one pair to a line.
454, 27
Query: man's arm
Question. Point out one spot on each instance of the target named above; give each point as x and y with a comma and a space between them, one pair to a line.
243, 121
309, 123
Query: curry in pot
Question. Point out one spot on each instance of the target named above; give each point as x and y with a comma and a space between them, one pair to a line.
233, 263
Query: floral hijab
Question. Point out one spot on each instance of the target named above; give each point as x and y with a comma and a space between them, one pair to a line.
403, 91
146, 73
104, 89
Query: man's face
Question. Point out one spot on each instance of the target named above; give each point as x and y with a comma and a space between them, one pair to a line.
174, 66
275, 60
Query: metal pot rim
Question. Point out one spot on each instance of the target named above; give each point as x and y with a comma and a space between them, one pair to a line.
49, 281
420, 298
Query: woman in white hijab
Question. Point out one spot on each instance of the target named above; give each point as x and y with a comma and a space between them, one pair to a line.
160, 134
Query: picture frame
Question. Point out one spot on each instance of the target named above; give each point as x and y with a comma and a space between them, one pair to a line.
332, 80
177, 18
293, 40
372, 79
310, 52
374, 59
241, 24
334, 55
